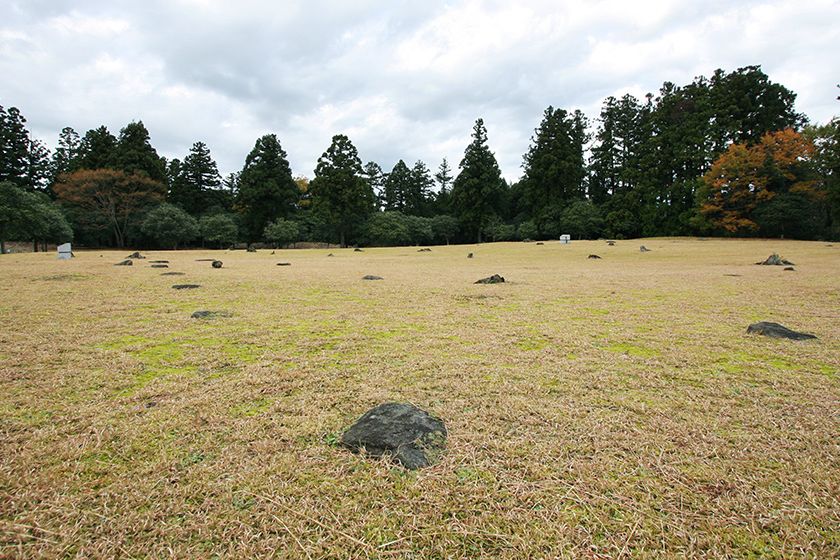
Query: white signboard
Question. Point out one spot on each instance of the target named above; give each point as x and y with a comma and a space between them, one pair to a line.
65, 251
565, 239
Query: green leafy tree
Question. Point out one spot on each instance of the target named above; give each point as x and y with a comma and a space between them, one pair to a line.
219, 230
282, 232
170, 226
29, 215
340, 193
444, 227
581, 220
134, 153
528, 230
14, 147
375, 178
66, 155
478, 190
266, 189
389, 228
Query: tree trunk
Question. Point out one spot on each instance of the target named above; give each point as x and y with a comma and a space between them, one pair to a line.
2, 246
479, 235
35, 245
343, 244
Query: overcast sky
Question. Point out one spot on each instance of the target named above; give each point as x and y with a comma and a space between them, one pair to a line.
401, 79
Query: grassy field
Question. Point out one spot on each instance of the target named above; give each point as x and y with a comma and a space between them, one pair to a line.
596, 408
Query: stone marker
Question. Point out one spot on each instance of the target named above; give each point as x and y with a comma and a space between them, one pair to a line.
210, 314
186, 286
565, 239
65, 252
643, 249
135, 255
160, 266
400, 430
126, 262
470, 256
593, 257
775, 330
173, 274
217, 264
284, 264
775, 260
495, 279
371, 277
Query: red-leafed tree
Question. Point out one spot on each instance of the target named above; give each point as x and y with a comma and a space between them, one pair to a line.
110, 196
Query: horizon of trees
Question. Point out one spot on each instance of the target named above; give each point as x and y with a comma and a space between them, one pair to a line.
726, 155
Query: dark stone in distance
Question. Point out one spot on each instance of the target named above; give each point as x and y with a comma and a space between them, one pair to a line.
185, 286
775, 330
789, 268
611, 243
159, 262
135, 255
424, 250
495, 279
160, 266
210, 314
593, 257
540, 243
775, 260
251, 249
371, 277
401, 430
644, 249
470, 256
126, 262
217, 264
173, 274
284, 264
357, 250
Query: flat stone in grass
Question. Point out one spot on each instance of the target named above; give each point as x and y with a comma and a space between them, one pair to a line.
173, 274
470, 256
644, 249
205, 260
357, 250
186, 286
789, 268
217, 264
159, 262
135, 255
495, 279
284, 264
126, 262
251, 249
611, 243
540, 243
371, 277
160, 266
593, 257
210, 314
775, 260
400, 430
775, 330
424, 250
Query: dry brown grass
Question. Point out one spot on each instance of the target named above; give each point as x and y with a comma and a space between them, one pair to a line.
596, 408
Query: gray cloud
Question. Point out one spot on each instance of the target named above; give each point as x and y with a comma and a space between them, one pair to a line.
405, 80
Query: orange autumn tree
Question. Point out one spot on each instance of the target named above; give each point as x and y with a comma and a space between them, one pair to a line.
114, 197
746, 177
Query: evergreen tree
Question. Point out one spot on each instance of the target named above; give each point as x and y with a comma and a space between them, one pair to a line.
194, 180
376, 179
554, 165
419, 194
134, 153
478, 188
266, 189
66, 156
97, 150
170, 226
340, 194
14, 147
396, 187
443, 198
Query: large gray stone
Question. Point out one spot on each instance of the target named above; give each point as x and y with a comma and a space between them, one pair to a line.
495, 279
775, 330
775, 260
400, 430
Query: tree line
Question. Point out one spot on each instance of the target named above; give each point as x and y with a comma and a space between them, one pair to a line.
726, 155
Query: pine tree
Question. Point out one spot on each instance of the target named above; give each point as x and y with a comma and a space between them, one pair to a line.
266, 189
419, 194
340, 194
14, 147
478, 188
396, 187
376, 179
196, 179
134, 153
66, 155
97, 150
